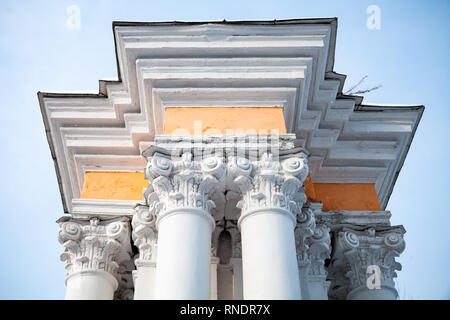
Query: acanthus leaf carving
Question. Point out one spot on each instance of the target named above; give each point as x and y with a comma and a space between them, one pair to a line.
357, 250
319, 250
94, 244
182, 183
269, 183
303, 232
144, 233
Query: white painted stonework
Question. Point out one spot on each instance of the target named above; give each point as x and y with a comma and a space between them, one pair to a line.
272, 198
175, 226
227, 217
93, 252
144, 237
179, 198
362, 252
287, 64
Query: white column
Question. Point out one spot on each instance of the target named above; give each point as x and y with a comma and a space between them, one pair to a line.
179, 195
93, 251
215, 260
272, 197
269, 258
144, 237
214, 280
144, 281
91, 285
237, 278
184, 255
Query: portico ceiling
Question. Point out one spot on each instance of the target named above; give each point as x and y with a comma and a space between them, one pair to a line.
287, 63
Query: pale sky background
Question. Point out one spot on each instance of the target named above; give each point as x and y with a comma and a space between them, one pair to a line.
408, 56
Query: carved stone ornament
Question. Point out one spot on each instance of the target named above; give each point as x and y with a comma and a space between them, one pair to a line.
144, 233
270, 184
94, 244
358, 252
182, 183
304, 230
319, 250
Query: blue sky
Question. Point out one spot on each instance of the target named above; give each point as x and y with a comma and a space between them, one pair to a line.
408, 56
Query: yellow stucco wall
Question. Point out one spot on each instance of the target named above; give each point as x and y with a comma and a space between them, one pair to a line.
236, 120
113, 185
344, 196
335, 196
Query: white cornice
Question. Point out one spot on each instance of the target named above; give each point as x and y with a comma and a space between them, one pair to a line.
86, 208
282, 63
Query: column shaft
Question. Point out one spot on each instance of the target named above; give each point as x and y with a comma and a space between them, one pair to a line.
237, 278
269, 257
214, 280
91, 285
179, 195
144, 284
184, 255
272, 197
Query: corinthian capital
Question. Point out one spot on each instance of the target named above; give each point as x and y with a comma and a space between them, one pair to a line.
313, 240
367, 258
94, 244
144, 234
182, 182
319, 250
304, 230
270, 183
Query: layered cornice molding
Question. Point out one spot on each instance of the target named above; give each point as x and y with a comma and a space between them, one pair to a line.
250, 146
336, 220
221, 64
94, 245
